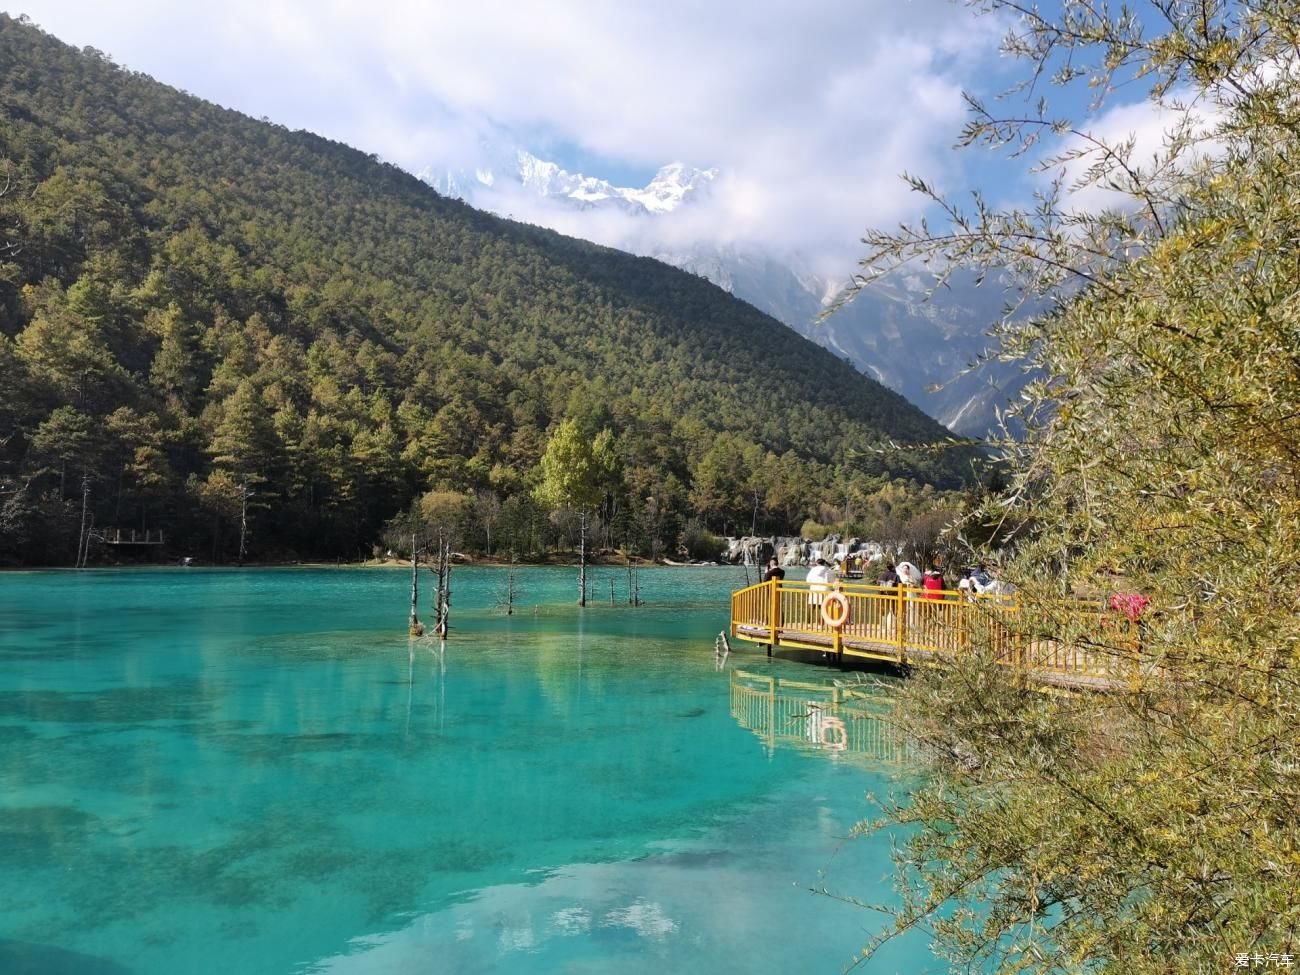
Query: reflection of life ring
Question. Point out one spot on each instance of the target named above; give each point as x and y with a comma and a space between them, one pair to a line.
835, 610
833, 735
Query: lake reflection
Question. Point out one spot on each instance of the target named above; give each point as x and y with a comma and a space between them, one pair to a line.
843, 720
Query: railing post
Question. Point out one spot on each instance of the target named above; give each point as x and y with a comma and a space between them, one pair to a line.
963, 624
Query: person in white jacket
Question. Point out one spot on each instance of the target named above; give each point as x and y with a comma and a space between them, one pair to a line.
820, 578
909, 577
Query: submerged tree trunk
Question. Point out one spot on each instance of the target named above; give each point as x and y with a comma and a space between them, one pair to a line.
582, 556
446, 597
82, 533
510, 586
442, 593
243, 519
415, 590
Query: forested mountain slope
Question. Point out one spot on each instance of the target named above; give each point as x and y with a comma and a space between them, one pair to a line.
195, 305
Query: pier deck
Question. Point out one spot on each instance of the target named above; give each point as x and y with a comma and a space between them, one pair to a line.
1094, 651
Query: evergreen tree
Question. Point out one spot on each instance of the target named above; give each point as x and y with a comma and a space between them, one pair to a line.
174, 371
69, 441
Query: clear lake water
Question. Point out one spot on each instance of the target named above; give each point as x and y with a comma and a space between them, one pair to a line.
257, 771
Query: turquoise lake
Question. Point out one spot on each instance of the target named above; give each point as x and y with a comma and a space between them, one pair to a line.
258, 772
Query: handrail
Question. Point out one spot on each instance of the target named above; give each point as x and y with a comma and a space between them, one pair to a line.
910, 624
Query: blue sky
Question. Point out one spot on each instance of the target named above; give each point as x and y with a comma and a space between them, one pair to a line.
809, 110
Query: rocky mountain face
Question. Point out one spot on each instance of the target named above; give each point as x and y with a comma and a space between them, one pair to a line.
918, 347
925, 348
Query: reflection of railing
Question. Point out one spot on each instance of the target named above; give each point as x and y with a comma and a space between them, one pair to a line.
848, 721
1086, 647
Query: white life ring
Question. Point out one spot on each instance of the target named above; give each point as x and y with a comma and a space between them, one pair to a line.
835, 610
833, 735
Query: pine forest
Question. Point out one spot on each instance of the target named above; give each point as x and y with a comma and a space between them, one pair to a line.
220, 330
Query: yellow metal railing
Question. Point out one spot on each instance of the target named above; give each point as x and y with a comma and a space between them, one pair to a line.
1085, 644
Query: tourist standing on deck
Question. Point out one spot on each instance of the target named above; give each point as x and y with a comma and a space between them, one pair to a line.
775, 574
909, 577
821, 575
994, 586
820, 578
933, 583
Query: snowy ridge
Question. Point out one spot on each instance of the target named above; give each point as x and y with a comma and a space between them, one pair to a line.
668, 190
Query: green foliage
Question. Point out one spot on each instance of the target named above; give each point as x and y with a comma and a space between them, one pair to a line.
814, 529
698, 543
907, 521
570, 475
445, 513
297, 316
1156, 830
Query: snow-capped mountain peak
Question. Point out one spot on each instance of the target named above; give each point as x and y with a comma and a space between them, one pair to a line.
669, 189
671, 186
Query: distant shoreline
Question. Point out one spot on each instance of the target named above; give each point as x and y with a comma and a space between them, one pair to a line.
605, 562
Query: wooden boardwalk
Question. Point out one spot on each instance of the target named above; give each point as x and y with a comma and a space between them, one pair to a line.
905, 626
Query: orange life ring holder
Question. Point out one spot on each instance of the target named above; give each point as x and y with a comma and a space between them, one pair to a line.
835, 610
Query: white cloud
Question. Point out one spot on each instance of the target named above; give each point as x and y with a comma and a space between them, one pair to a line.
1149, 127
811, 110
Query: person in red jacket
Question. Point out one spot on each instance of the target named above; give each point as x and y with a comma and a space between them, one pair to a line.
933, 584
